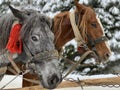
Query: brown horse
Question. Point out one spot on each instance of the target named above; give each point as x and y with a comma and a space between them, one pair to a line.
90, 29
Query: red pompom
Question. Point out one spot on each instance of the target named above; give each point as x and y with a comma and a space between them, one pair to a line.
14, 44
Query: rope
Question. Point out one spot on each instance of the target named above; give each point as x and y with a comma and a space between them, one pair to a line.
9, 82
77, 63
26, 79
79, 40
3, 70
76, 31
13, 63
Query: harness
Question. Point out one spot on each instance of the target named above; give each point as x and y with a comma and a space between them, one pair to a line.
81, 42
54, 54
48, 55
74, 19
92, 42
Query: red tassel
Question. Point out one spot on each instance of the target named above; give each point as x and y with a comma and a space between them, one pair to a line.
14, 44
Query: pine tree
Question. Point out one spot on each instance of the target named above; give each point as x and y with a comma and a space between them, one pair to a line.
109, 14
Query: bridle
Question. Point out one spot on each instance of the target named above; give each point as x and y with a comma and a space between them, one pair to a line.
92, 43
37, 58
47, 55
81, 42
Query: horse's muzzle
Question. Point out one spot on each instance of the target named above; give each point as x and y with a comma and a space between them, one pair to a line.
52, 81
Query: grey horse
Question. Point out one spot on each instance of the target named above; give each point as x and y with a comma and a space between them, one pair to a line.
38, 44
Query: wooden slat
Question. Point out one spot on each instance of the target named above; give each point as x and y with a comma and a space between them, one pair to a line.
87, 82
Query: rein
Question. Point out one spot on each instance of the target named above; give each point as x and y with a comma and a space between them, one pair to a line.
81, 43
52, 54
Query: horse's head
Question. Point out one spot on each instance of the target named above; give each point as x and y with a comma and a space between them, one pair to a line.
38, 45
92, 31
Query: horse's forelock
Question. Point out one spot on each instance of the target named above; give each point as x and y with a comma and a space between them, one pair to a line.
6, 22
32, 22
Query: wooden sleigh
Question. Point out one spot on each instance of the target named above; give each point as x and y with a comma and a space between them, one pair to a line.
113, 82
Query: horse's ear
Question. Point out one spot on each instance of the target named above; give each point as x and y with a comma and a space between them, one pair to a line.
18, 14
79, 6
50, 22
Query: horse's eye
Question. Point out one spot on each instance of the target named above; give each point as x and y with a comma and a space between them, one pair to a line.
94, 25
35, 38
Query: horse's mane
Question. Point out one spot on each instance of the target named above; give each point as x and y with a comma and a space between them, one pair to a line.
35, 20
6, 22
59, 19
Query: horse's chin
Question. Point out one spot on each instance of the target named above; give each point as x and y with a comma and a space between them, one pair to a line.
102, 61
45, 85
105, 61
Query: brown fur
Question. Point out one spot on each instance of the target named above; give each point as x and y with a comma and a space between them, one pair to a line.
64, 32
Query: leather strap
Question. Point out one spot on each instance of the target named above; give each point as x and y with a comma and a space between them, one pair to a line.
76, 31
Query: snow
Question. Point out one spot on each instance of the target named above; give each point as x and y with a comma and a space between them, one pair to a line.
17, 83
86, 70
75, 77
83, 1
91, 60
112, 57
117, 24
117, 35
73, 42
114, 10
77, 58
46, 7
104, 3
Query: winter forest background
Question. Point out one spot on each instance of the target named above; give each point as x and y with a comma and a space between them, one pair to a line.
107, 10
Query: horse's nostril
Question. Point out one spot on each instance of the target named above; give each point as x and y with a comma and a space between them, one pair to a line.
53, 80
107, 55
